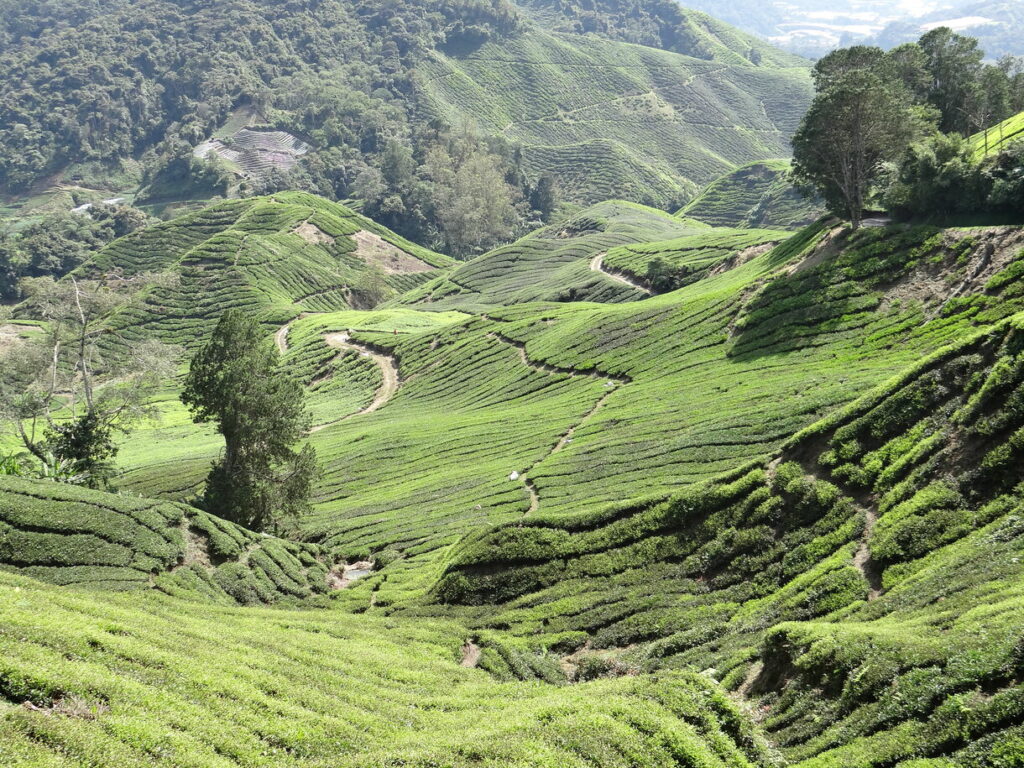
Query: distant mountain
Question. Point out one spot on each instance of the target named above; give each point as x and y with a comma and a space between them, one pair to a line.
648, 106
998, 25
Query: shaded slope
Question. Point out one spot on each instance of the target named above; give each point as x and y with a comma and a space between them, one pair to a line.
71, 536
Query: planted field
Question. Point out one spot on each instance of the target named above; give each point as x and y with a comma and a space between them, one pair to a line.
992, 140
109, 680
693, 257
795, 475
612, 120
277, 257
552, 264
863, 587
756, 195
75, 537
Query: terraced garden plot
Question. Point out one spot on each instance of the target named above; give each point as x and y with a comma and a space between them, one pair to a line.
552, 264
277, 257
150, 680
75, 537
694, 256
719, 374
612, 120
863, 588
756, 195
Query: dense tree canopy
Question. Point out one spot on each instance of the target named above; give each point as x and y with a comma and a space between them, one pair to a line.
236, 381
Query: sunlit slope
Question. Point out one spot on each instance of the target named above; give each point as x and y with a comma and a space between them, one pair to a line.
150, 680
614, 120
993, 140
556, 263
864, 586
77, 537
275, 256
693, 257
757, 195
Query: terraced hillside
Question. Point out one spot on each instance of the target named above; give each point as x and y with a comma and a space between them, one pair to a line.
794, 479
69, 536
107, 680
556, 263
863, 587
756, 195
276, 256
992, 140
613, 120
691, 257
609, 119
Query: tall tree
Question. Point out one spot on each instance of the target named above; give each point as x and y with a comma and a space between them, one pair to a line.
861, 119
236, 380
65, 392
954, 63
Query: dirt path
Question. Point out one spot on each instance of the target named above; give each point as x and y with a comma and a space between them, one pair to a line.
613, 382
388, 369
862, 560
281, 338
470, 655
597, 265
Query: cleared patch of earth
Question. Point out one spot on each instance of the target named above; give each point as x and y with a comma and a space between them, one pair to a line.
10, 334
378, 252
312, 234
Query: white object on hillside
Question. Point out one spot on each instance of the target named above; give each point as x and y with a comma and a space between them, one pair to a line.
514, 476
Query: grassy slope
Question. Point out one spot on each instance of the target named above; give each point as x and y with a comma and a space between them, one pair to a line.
644, 401
989, 142
695, 256
865, 587
150, 680
246, 253
551, 264
614, 120
756, 195
71, 536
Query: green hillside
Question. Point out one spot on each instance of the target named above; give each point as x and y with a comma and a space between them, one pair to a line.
768, 518
555, 263
653, 127
275, 256
756, 195
67, 536
992, 140
312, 98
109, 680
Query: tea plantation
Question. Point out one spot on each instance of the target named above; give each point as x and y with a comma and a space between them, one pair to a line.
772, 517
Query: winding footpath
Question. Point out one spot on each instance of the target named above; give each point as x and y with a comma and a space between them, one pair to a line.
613, 383
390, 381
597, 265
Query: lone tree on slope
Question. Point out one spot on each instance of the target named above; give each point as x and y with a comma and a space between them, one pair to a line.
236, 381
862, 117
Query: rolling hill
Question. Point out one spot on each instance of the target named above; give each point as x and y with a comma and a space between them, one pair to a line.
770, 517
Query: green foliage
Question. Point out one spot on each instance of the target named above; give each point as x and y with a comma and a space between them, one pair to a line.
862, 116
758, 195
235, 380
86, 444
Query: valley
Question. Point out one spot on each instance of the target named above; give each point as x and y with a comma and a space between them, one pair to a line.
504, 385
